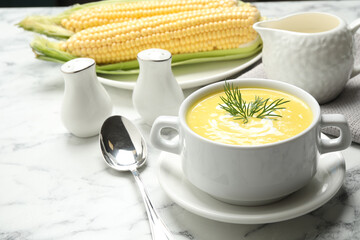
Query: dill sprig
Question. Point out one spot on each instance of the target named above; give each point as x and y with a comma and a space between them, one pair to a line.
234, 104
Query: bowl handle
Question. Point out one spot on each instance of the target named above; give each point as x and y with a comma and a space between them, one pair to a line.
159, 141
339, 143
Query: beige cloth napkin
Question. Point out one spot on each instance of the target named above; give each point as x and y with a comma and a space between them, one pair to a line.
347, 103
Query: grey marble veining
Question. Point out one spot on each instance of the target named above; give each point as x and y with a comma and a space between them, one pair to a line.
56, 186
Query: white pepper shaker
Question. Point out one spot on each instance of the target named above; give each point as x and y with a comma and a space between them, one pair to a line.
86, 103
156, 91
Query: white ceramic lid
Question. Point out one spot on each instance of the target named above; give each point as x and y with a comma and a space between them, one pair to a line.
154, 54
77, 65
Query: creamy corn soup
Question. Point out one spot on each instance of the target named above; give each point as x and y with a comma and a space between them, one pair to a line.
208, 119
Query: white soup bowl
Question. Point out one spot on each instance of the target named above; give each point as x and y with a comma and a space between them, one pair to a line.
250, 175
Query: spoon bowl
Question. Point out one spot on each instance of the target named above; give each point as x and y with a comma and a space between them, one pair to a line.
124, 149
122, 145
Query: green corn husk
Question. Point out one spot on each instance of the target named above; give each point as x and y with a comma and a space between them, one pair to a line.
47, 50
51, 25
46, 25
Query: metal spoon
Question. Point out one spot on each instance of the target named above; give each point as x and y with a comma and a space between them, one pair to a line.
124, 149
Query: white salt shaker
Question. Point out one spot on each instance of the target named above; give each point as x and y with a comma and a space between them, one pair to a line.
156, 91
86, 103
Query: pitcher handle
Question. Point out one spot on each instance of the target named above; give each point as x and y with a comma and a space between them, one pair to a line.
354, 26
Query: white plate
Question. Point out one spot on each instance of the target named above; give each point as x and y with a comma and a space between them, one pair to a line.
192, 75
324, 185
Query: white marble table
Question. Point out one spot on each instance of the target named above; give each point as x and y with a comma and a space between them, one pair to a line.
56, 186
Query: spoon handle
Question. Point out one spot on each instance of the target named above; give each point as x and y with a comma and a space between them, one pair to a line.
158, 229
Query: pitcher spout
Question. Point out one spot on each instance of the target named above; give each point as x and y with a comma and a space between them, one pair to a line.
307, 22
265, 31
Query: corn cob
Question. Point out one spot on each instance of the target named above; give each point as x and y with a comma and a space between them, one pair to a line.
124, 11
184, 32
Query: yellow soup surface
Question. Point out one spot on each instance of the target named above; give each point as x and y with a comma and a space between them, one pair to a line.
206, 118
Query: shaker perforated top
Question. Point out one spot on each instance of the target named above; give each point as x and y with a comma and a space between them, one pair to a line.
77, 65
154, 54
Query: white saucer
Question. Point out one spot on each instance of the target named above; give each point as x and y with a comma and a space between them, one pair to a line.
324, 185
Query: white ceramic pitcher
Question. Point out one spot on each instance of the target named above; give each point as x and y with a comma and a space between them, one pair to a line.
312, 50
